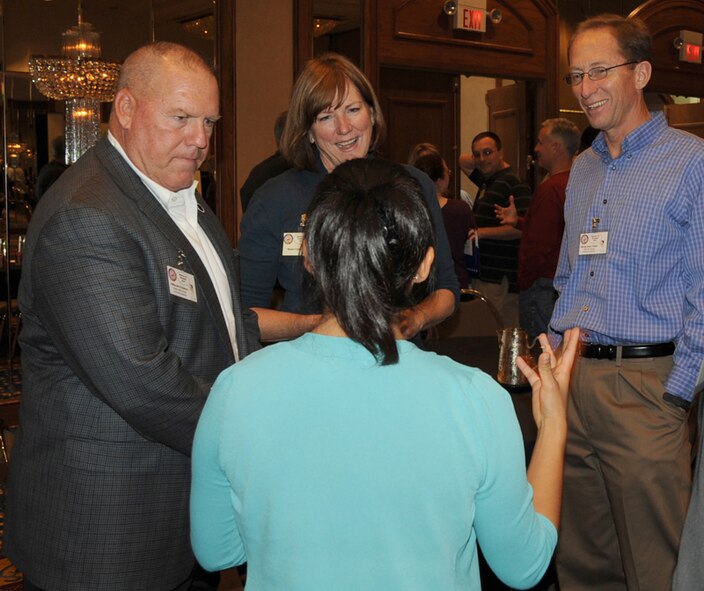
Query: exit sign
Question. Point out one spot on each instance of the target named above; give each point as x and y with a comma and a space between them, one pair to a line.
470, 17
692, 53
691, 48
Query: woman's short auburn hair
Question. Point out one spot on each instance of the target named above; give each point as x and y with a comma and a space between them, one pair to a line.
322, 83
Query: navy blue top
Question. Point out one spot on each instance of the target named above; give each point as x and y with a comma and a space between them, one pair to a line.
276, 209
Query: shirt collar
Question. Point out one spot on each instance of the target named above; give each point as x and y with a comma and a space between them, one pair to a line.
641, 137
185, 196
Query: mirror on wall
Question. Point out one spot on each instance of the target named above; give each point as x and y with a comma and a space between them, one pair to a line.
337, 26
33, 125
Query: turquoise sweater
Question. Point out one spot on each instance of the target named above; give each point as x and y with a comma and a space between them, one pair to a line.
323, 470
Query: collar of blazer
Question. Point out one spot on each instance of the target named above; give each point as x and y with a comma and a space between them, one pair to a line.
132, 187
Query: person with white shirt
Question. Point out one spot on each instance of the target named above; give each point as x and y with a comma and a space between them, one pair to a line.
131, 308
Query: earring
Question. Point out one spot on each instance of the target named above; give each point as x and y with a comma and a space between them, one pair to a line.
415, 278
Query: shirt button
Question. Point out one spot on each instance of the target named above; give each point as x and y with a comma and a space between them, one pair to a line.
613, 167
591, 274
605, 201
585, 308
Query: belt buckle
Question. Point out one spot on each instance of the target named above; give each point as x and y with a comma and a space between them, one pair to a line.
605, 352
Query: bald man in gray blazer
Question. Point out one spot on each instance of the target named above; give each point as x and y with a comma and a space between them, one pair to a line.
131, 308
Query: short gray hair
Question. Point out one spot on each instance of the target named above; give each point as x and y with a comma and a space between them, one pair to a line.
142, 66
565, 132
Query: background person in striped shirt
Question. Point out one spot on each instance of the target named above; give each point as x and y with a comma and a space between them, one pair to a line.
498, 244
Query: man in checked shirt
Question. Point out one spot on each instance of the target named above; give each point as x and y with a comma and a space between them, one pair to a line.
631, 275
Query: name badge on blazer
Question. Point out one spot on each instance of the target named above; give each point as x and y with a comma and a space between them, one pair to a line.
181, 284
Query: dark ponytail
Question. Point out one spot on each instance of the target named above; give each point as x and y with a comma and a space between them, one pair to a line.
367, 231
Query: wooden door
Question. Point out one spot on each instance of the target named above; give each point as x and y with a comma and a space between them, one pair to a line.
508, 119
419, 107
688, 117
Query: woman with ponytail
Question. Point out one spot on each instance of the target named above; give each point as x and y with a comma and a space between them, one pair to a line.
349, 458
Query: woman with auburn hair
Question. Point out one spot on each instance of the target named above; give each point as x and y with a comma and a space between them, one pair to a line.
333, 116
351, 459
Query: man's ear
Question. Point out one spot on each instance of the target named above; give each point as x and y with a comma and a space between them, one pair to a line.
644, 70
425, 266
124, 106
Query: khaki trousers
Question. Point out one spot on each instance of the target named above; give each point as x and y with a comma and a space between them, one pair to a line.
627, 478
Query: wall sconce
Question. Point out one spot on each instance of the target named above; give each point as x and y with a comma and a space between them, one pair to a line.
471, 17
450, 7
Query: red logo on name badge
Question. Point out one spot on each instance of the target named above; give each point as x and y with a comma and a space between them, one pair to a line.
584, 239
288, 239
172, 275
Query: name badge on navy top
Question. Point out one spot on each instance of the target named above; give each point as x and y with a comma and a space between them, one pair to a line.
593, 243
291, 246
181, 284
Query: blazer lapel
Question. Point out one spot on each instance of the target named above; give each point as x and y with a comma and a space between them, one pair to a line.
134, 189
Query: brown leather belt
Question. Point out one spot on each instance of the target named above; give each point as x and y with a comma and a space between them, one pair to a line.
591, 351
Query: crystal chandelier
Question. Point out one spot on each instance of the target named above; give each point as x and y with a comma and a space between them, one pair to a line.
81, 78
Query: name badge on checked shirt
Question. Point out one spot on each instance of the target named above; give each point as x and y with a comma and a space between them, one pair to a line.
593, 243
181, 284
291, 246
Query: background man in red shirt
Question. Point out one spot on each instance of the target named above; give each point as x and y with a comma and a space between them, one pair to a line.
542, 227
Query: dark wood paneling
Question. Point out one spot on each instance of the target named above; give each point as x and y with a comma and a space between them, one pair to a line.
418, 107
665, 20
687, 117
508, 118
416, 33
302, 33
225, 139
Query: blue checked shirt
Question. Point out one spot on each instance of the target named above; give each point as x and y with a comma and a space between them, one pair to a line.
649, 286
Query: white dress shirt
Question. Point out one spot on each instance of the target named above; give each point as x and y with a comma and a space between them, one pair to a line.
182, 207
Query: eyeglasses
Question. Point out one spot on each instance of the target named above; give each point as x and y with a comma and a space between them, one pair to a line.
486, 153
598, 73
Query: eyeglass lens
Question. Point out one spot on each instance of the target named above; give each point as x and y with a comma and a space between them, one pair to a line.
486, 153
597, 73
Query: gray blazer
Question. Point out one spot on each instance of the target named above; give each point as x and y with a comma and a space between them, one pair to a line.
115, 374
